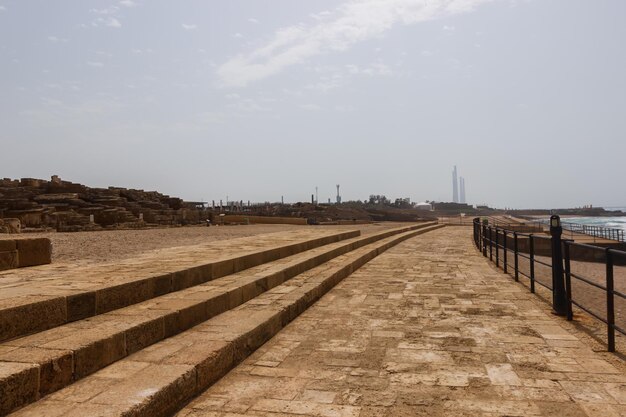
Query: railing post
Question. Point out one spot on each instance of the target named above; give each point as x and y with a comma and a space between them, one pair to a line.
504, 251
516, 252
475, 233
610, 302
531, 255
490, 244
485, 238
568, 280
559, 299
497, 248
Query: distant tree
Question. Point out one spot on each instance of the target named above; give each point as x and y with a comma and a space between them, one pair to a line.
379, 199
402, 203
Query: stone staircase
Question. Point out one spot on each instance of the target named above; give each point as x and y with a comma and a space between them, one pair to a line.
141, 352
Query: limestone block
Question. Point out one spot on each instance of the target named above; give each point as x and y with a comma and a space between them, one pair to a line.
190, 277
7, 245
80, 306
212, 359
144, 335
96, 353
34, 251
223, 268
18, 385
32, 317
55, 366
8, 260
128, 293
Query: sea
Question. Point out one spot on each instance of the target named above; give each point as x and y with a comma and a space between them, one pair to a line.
612, 222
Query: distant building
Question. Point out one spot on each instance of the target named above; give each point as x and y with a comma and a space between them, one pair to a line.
462, 186
455, 187
424, 206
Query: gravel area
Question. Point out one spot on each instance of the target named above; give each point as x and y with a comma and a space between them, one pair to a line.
107, 246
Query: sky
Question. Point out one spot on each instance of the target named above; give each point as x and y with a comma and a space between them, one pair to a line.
258, 99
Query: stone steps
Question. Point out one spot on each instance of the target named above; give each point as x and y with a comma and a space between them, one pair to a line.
161, 378
70, 352
36, 302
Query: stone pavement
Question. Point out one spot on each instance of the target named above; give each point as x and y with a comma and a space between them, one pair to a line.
428, 328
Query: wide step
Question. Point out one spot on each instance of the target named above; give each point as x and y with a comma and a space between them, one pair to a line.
46, 297
161, 378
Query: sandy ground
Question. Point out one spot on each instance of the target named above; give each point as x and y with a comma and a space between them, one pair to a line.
107, 246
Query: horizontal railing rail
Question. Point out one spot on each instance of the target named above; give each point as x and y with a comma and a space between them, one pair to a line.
603, 232
499, 244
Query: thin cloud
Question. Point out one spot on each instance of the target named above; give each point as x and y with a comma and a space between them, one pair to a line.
253, 20
373, 69
113, 23
3, 9
95, 64
56, 39
106, 11
189, 26
352, 22
128, 3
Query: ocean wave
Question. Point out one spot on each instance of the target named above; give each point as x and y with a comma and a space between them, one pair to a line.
610, 222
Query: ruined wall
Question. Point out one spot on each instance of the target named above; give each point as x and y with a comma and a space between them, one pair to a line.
66, 206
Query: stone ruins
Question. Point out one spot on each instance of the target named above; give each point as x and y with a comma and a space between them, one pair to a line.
66, 206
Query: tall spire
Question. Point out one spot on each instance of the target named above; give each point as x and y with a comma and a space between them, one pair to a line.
462, 184
455, 187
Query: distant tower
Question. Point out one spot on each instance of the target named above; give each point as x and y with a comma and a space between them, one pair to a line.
455, 187
316, 200
462, 184
338, 196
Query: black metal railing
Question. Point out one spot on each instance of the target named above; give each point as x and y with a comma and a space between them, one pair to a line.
602, 232
559, 259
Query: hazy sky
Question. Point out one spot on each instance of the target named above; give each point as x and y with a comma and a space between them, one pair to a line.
257, 99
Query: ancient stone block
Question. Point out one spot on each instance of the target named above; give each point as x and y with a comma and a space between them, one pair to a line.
249, 261
212, 359
8, 260
23, 319
223, 268
18, 385
144, 335
217, 304
99, 354
128, 293
191, 276
80, 306
34, 251
55, 366
7, 245
186, 313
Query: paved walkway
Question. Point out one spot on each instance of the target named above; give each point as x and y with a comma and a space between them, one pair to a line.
429, 328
